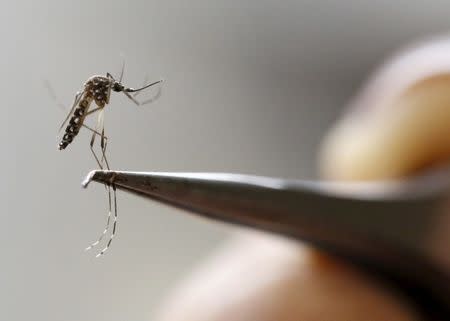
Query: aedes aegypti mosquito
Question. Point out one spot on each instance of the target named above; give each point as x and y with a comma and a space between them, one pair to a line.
98, 89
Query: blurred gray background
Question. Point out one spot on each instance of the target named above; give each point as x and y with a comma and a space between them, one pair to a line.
251, 86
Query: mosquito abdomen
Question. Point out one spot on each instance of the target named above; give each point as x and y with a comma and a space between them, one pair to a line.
75, 122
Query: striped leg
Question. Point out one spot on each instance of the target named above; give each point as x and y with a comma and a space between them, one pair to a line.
114, 230
108, 220
94, 134
103, 145
99, 131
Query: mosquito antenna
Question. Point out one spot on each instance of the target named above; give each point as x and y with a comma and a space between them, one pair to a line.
131, 90
110, 76
123, 68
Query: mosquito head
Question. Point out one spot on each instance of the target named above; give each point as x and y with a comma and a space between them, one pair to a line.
117, 86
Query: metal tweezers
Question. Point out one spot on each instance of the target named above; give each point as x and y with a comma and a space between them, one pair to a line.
397, 230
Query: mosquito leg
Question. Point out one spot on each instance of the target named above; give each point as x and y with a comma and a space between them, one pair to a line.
131, 98
155, 97
93, 111
94, 131
113, 233
104, 138
108, 220
98, 134
103, 142
143, 84
101, 129
91, 145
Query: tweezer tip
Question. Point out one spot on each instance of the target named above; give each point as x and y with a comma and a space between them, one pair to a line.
88, 179
101, 176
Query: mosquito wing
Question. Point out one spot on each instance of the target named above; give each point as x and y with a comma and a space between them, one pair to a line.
75, 103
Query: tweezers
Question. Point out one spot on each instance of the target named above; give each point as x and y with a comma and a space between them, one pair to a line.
397, 230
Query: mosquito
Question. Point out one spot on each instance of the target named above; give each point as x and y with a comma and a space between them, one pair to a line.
97, 89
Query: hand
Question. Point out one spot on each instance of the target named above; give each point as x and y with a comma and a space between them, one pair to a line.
398, 124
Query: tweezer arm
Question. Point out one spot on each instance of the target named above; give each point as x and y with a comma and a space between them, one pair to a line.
380, 229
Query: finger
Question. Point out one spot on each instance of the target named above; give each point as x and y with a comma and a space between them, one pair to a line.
265, 278
399, 123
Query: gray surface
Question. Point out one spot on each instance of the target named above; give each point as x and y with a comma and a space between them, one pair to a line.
250, 88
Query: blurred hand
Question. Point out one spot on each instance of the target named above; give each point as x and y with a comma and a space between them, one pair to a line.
398, 124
